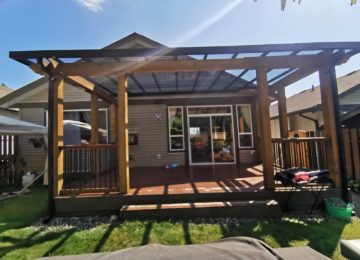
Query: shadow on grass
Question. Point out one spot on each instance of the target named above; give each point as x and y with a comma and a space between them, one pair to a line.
187, 235
147, 232
25, 242
60, 243
322, 236
104, 237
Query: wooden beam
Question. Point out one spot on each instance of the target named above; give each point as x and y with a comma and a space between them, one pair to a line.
58, 135
113, 123
123, 143
270, 62
283, 122
330, 132
94, 117
163, 51
265, 128
74, 80
90, 87
293, 77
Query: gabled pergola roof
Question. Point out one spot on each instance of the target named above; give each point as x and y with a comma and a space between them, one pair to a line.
164, 70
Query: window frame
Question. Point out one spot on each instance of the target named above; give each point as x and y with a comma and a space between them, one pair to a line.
251, 133
169, 129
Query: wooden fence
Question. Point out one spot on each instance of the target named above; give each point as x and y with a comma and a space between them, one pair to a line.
352, 152
7, 160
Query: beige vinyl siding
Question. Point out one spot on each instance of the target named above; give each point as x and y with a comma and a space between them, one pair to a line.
353, 98
152, 137
34, 157
247, 156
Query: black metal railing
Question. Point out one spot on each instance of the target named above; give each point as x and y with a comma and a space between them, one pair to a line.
90, 168
307, 152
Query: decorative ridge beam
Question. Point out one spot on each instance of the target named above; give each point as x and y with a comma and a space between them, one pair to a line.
163, 51
270, 62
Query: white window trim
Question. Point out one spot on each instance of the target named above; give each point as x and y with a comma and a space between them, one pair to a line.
183, 130
84, 110
245, 133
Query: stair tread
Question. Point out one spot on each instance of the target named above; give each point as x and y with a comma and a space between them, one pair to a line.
198, 205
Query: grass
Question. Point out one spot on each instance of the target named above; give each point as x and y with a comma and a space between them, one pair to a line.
18, 240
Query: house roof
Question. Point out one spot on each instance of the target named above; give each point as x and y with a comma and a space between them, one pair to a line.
310, 99
4, 90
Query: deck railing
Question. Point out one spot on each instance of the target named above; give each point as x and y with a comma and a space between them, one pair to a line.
307, 152
91, 167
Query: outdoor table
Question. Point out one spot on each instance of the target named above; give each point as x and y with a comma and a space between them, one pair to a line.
315, 188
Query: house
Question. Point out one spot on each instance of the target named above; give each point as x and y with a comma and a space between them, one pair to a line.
137, 117
4, 90
304, 109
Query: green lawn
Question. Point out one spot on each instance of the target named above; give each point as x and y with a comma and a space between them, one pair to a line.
19, 241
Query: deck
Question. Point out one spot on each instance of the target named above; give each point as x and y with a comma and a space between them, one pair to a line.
179, 180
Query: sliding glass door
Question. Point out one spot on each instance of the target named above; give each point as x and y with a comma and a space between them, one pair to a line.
211, 135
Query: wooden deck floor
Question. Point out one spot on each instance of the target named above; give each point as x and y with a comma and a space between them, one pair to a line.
180, 180
195, 179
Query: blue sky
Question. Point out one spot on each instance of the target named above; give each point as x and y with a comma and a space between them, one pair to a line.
84, 24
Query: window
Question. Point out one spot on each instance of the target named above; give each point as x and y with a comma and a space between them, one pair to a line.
77, 126
176, 128
244, 121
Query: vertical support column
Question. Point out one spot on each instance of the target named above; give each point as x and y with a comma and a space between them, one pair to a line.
265, 128
332, 121
123, 143
94, 117
113, 123
284, 129
57, 134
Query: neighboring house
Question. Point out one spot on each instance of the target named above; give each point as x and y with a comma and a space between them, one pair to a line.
155, 122
5, 90
304, 109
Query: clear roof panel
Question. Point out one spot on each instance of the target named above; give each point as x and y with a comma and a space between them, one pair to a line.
309, 52
219, 56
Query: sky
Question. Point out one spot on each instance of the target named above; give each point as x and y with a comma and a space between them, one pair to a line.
86, 24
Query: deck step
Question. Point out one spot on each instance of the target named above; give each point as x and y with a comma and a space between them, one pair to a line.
241, 209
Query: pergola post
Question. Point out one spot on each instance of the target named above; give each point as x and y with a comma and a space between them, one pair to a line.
94, 117
113, 123
56, 117
284, 128
122, 137
331, 115
265, 129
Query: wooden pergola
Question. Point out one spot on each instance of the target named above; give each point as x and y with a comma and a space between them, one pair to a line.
276, 67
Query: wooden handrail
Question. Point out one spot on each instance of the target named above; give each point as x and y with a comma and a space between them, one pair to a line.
81, 146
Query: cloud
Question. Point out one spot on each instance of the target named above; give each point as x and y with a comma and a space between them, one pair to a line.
92, 5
